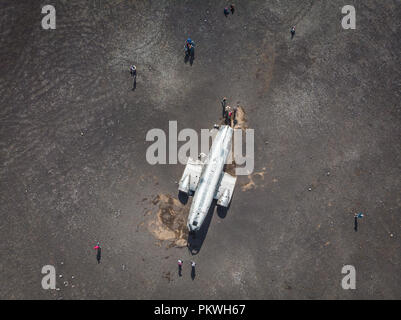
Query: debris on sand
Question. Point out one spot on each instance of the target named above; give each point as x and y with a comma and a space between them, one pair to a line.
170, 223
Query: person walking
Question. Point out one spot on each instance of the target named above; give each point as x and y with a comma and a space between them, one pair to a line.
232, 9
180, 267
98, 252
226, 12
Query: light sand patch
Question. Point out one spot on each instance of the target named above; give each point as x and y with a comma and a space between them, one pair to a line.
261, 174
242, 121
249, 185
254, 183
170, 222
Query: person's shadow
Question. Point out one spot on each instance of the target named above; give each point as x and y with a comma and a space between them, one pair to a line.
134, 86
196, 239
179, 271
192, 56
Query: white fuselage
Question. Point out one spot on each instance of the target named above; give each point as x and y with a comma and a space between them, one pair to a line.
210, 177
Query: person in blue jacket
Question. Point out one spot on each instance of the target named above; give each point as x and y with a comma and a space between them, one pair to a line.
189, 47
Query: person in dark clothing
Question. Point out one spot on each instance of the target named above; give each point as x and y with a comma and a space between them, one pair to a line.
190, 41
292, 31
189, 51
356, 216
228, 115
132, 70
98, 252
223, 105
193, 270
226, 12
190, 45
232, 9
180, 267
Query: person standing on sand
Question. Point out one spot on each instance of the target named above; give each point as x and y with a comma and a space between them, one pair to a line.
223, 105
132, 70
227, 116
292, 31
193, 264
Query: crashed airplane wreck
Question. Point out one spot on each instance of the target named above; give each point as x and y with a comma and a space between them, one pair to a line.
207, 179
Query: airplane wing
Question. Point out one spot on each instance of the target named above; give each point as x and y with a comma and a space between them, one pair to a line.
225, 189
190, 177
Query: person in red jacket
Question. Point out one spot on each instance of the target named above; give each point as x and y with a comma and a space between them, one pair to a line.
99, 252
